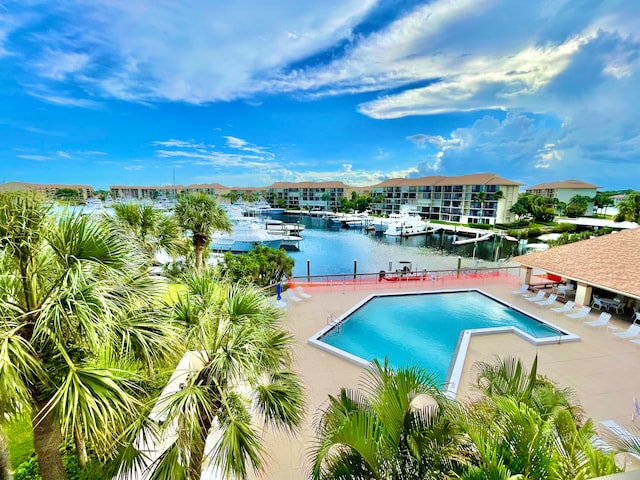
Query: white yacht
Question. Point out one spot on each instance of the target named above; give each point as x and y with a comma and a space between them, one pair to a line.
406, 223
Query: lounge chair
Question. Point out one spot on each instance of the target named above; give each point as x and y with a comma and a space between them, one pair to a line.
301, 292
632, 331
601, 321
292, 296
522, 290
583, 312
549, 301
567, 307
536, 298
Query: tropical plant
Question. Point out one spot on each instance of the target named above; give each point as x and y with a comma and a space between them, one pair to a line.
525, 425
199, 214
241, 373
602, 201
382, 432
262, 266
74, 327
577, 206
629, 208
154, 231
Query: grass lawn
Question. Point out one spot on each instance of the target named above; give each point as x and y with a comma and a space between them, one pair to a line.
20, 438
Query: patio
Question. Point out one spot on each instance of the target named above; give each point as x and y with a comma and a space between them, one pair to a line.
601, 368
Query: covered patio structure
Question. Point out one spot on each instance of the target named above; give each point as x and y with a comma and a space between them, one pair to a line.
608, 263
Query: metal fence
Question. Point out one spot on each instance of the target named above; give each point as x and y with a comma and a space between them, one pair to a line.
407, 278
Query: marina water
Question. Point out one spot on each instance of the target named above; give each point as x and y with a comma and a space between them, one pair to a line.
335, 250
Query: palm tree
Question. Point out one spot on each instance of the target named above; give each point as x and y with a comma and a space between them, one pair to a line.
72, 296
244, 375
629, 208
155, 231
199, 214
525, 425
383, 432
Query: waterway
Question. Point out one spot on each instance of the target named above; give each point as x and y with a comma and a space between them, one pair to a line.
339, 250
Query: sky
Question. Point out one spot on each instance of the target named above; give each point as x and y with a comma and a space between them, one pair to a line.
248, 93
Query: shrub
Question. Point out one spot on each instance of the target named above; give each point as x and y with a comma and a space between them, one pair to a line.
27, 470
534, 232
565, 227
482, 226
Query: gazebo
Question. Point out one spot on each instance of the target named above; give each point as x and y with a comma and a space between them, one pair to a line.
608, 262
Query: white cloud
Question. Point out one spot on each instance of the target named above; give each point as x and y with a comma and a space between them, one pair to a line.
36, 158
177, 143
43, 94
134, 167
490, 145
58, 65
196, 54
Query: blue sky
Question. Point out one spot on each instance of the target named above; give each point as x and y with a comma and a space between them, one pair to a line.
247, 93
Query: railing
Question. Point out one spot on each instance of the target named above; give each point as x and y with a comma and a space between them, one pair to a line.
408, 278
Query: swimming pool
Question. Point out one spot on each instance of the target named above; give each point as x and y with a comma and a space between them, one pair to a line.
428, 329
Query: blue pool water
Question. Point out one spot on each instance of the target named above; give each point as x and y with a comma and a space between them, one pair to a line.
423, 329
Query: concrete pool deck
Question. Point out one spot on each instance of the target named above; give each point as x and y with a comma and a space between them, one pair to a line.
601, 368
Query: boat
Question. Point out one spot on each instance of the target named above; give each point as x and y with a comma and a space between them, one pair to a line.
380, 225
406, 223
244, 238
94, 202
278, 226
404, 273
262, 207
163, 203
357, 220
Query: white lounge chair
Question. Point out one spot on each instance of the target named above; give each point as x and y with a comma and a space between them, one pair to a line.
536, 298
301, 292
601, 321
549, 301
567, 307
583, 312
522, 290
632, 331
292, 296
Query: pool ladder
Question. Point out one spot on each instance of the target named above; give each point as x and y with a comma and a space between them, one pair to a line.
337, 327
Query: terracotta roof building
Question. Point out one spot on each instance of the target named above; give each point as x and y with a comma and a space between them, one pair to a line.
564, 190
608, 262
466, 199
47, 189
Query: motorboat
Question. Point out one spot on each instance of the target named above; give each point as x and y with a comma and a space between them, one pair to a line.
278, 226
380, 225
94, 203
262, 207
244, 238
406, 223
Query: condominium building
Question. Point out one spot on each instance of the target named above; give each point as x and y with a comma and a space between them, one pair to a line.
130, 192
476, 198
565, 190
309, 195
48, 190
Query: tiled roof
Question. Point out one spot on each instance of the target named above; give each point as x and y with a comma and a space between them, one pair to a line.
562, 184
332, 184
609, 261
472, 179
